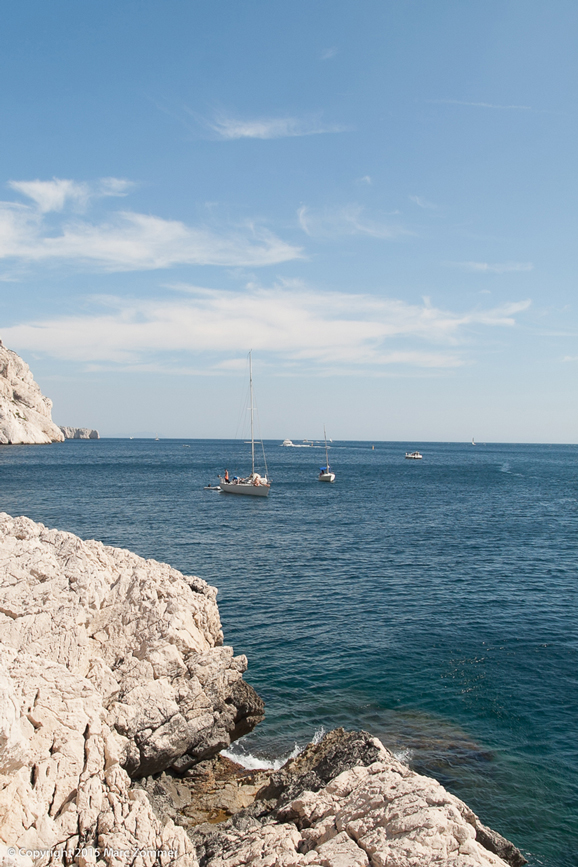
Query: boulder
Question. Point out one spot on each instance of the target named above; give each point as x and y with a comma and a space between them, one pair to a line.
25, 414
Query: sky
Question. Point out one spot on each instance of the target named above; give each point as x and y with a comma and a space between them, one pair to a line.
379, 199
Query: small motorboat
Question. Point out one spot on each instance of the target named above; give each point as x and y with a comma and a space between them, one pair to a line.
212, 488
413, 456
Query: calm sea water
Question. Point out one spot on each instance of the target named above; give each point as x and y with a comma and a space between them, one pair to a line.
430, 602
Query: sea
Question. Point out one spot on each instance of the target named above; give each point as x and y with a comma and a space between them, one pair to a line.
431, 603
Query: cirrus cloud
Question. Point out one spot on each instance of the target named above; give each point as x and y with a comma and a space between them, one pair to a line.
495, 268
347, 220
297, 327
229, 128
125, 240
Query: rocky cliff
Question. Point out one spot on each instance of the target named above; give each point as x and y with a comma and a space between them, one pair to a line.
79, 433
116, 694
25, 414
112, 667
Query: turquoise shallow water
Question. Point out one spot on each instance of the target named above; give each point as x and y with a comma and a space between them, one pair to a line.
431, 602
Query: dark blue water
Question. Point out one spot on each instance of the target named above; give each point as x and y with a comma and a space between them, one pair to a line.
431, 602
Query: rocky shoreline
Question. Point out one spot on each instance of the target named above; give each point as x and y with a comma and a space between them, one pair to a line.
118, 697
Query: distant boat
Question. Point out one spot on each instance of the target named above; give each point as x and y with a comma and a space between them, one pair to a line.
307, 444
325, 474
413, 456
473, 443
210, 487
254, 485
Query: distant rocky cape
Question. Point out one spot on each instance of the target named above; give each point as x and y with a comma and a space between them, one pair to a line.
79, 433
117, 694
25, 414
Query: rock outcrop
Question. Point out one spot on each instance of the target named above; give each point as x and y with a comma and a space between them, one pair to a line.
25, 414
113, 668
79, 433
347, 802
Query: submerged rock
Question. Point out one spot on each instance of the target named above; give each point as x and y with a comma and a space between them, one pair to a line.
79, 433
25, 414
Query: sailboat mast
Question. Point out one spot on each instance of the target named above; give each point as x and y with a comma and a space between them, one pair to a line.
251, 393
326, 455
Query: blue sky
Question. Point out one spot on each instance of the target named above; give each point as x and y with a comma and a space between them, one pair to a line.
378, 198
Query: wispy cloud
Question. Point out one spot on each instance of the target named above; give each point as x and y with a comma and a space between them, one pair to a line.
329, 53
58, 193
349, 220
366, 179
296, 326
480, 104
126, 240
423, 203
229, 127
489, 268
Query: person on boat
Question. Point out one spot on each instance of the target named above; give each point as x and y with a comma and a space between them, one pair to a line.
226, 475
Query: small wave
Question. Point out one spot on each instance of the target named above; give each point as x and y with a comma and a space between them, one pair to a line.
403, 756
318, 736
237, 753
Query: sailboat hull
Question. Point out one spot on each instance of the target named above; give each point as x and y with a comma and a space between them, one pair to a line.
326, 477
248, 489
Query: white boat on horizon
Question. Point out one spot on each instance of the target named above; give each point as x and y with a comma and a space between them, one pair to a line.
413, 456
325, 473
306, 444
253, 485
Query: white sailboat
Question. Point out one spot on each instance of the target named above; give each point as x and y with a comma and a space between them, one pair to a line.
325, 474
254, 485
473, 442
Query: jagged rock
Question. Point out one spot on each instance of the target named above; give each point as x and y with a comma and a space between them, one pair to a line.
25, 414
347, 802
116, 669
79, 433
211, 791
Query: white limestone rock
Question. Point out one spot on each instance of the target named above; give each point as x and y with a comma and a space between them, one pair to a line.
72, 795
25, 414
113, 666
79, 433
384, 816
348, 802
